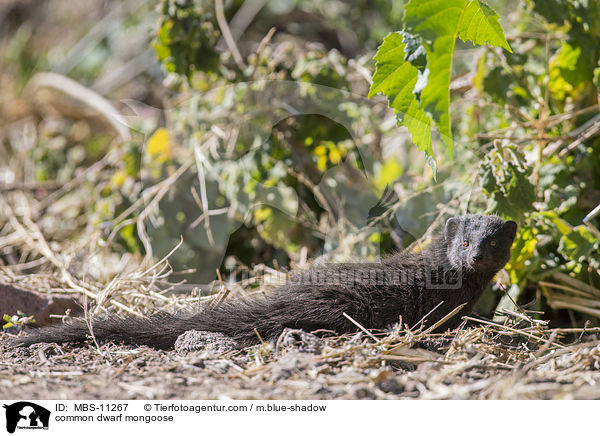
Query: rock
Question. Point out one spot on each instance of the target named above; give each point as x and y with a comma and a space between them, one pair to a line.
38, 304
301, 340
199, 340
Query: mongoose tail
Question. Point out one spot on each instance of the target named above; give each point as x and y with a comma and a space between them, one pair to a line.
119, 329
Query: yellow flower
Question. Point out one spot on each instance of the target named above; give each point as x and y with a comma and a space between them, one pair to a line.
158, 145
322, 163
320, 150
334, 156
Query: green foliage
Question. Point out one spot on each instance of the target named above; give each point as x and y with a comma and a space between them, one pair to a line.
273, 175
547, 184
578, 244
19, 321
396, 78
415, 89
187, 36
568, 71
505, 179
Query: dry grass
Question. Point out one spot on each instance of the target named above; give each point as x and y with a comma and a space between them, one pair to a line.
485, 362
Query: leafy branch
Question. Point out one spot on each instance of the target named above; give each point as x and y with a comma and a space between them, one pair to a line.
414, 66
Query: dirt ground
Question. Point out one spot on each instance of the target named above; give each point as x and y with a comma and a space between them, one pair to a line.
474, 363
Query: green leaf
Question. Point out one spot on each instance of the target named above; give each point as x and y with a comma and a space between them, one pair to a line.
519, 191
479, 24
396, 78
439, 23
554, 11
127, 235
400, 59
523, 248
506, 182
497, 84
578, 244
563, 227
488, 181
568, 70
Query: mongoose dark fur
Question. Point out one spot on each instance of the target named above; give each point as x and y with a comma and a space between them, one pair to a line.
453, 269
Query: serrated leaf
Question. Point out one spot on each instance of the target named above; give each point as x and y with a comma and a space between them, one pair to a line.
568, 70
488, 181
479, 24
433, 18
396, 78
399, 59
436, 21
519, 190
439, 23
577, 245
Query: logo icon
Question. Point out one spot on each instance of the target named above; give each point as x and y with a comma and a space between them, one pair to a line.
26, 415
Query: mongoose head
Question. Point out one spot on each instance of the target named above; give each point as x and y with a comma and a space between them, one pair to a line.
479, 243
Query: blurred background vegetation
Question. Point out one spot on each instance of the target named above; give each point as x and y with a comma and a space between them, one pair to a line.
240, 132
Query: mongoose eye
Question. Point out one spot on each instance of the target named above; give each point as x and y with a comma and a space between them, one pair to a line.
465, 243
493, 243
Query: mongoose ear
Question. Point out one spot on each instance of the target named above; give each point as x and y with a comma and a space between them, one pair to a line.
451, 228
511, 228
